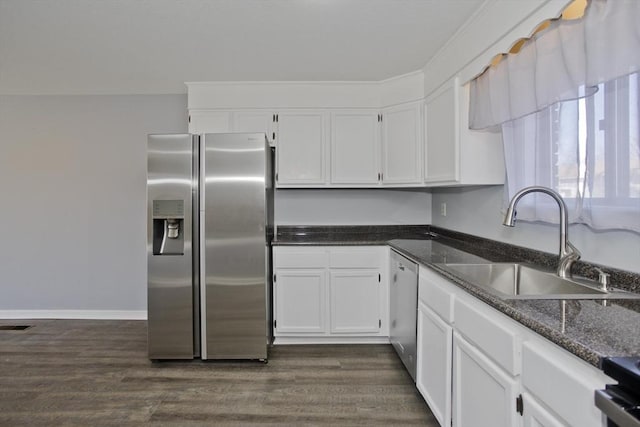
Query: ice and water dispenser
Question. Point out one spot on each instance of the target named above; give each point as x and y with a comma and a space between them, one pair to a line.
168, 227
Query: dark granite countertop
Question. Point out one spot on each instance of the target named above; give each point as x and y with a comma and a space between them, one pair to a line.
586, 328
360, 235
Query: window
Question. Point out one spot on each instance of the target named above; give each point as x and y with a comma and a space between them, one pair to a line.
613, 138
588, 150
567, 100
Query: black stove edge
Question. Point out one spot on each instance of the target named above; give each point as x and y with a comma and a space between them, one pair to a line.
625, 370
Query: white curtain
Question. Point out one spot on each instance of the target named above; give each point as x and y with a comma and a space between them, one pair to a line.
566, 61
568, 104
588, 150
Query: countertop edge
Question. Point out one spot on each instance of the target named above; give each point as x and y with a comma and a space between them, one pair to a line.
577, 349
522, 316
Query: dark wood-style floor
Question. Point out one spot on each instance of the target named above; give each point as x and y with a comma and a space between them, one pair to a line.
84, 372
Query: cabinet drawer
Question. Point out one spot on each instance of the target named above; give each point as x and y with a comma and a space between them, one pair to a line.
562, 382
490, 331
355, 258
291, 257
433, 293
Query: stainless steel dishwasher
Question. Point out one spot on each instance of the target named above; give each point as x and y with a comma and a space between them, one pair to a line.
404, 309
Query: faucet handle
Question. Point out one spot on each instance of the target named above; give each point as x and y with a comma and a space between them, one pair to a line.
603, 278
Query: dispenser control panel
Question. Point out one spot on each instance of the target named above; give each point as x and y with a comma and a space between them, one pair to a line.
165, 209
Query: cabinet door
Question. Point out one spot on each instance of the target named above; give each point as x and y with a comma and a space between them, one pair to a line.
401, 144
483, 394
435, 352
301, 147
562, 382
355, 301
209, 122
442, 140
535, 415
254, 121
299, 299
355, 147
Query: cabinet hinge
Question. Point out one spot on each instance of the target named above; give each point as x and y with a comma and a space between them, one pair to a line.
379, 323
519, 404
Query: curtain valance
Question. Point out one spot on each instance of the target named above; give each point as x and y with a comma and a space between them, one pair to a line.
566, 61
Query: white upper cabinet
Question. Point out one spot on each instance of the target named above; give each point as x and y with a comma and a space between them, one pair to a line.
454, 154
355, 147
326, 134
213, 121
206, 121
301, 141
441, 135
402, 144
254, 121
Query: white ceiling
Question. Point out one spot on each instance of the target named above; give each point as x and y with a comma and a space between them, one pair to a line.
153, 46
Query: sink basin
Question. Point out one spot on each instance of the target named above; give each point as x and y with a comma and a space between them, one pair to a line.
518, 281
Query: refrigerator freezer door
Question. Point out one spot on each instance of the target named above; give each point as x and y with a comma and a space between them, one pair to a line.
169, 246
233, 261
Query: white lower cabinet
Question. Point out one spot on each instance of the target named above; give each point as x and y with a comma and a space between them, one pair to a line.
354, 301
330, 293
495, 372
563, 383
300, 301
483, 394
535, 415
433, 376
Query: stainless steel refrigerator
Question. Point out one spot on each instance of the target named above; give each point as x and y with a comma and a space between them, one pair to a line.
209, 230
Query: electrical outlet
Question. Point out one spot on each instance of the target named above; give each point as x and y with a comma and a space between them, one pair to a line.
443, 209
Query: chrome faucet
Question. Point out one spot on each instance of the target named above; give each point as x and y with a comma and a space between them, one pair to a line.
568, 253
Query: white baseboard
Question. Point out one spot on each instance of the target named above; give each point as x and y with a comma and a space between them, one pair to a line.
329, 340
75, 314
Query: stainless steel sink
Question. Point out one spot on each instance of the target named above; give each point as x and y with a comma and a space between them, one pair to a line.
518, 281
